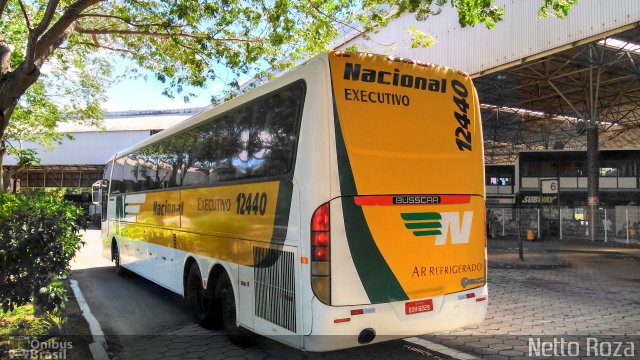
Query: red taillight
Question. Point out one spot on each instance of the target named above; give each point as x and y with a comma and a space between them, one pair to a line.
320, 219
320, 253
320, 238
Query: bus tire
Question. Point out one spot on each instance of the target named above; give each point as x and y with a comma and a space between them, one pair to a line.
115, 257
237, 334
201, 301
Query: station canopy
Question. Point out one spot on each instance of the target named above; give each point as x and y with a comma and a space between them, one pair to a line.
547, 103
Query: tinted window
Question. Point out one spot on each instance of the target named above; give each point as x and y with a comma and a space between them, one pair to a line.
256, 140
117, 176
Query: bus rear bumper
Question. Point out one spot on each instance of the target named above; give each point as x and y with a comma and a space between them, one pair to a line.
343, 327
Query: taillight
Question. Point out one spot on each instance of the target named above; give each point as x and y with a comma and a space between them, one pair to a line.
320, 253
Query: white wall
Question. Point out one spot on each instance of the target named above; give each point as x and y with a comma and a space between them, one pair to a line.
87, 148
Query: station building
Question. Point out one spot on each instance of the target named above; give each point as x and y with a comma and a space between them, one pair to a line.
79, 162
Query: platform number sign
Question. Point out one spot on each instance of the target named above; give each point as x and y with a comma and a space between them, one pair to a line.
549, 186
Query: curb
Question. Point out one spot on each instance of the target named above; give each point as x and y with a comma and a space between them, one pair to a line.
615, 253
441, 349
612, 252
524, 265
98, 347
539, 259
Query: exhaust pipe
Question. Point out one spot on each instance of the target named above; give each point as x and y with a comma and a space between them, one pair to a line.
366, 336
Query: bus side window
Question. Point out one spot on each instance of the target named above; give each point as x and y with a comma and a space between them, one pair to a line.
117, 176
275, 130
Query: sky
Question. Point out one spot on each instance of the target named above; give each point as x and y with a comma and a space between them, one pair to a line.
141, 94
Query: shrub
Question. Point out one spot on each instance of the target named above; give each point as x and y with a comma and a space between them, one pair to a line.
39, 237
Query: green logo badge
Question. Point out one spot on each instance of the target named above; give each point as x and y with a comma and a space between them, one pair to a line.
423, 224
444, 225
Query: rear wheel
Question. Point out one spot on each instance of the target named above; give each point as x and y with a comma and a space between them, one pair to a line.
115, 256
237, 334
202, 301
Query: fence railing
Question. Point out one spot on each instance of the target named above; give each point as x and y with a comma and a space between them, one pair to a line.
619, 224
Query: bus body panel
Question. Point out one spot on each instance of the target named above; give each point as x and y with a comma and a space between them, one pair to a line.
410, 168
390, 322
205, 224
397, 259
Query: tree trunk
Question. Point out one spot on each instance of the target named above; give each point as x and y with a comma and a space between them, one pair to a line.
3, 150
1, 170
14, 186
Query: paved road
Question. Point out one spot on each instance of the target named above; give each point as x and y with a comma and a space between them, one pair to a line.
141, 320
597, 295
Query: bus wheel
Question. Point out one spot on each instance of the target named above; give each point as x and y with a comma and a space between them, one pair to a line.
201, 301
237, 334
115, 256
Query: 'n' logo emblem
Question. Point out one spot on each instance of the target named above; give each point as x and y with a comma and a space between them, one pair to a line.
441, 225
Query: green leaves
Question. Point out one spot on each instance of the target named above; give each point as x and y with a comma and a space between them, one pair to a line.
558, 8
38, 239
420, 39
472, 12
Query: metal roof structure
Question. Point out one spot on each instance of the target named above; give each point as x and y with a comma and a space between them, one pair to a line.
540, 81
547, 102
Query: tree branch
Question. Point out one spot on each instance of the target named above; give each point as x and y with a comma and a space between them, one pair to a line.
5, 57
358, 31
26, 16
3, 6
162, 35
98, 45
105, 16
52, 5
34, 34
60, 31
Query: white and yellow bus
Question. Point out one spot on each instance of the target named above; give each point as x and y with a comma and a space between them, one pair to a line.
345, 197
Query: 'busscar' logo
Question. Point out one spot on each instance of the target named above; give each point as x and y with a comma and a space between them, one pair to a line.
416, 199
440, 225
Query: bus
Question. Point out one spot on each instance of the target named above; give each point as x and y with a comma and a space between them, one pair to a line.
345, 197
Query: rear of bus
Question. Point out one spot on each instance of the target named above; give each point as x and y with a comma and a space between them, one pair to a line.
400, 250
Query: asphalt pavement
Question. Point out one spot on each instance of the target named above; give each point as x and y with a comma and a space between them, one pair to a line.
592, 295
142, 320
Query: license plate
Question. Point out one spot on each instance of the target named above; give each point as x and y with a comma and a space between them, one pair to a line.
420, 306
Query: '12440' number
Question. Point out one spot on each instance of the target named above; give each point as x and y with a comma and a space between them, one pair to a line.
463, 134
251, 204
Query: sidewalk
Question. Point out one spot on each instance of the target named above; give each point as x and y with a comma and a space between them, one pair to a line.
504, 253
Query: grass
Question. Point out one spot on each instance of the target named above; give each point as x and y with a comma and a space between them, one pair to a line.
22, 321
64, 325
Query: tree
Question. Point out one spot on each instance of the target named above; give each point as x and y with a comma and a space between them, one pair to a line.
183, 42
